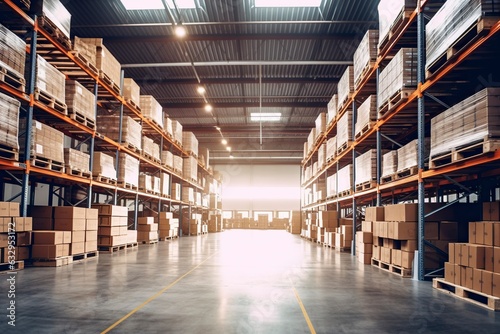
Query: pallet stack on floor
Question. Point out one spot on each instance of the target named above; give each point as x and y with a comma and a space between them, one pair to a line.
343, 235
365, 237
15, 232
113, 230
295, 222
327, 222
473, 269
168, 226
147, 230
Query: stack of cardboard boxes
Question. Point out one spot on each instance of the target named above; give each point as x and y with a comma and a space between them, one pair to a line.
147, 230
215, 223
328, 221
103, 168
343, 235
168, 226
364, 238
113, 222
295, 222
10, 222
132, 92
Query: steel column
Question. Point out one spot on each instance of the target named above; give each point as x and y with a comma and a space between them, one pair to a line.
353, 185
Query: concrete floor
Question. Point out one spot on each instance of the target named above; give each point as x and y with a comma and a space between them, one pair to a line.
238, 281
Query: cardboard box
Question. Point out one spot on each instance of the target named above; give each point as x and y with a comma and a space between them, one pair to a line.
374, 213
145, 220
69, 224
448, 231
472, 233
476, 256
391, 243
123, 230
91, 236
48, 237
111, 210
4, 241
496, 258
407, 259
403, 230
28, 224
378, 241
131, 236
111, 240
491, 211
43, 224
77, 236
365, 258
451, 253
147, 236
77, 248
41, 211
496, 234
367, 226
165, 215
18, 254
496, 285
112, 221
479, 233
91, 224
488, 233
456, 269
487, 285
409, 245
396, 257
385, 255
49, 251
404, 212
364, 248
22, 239
431, 231
147, 228
69, 212
376, 252
469, 278
449, 272
90, 246
67, 236
109, 230
91, 214
489, 261
21, 224
463, 275
9, 209
462, 254
477, 283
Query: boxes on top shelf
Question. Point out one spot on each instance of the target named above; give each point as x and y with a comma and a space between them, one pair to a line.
46, 142
107, 64
76, 160
366, 115
389, 163
177, 131
344, 131
471, 121
49, 81
150, 149
152, 109
320, 124
55, 11
345, 179
190, 143
9, 123
167, 159
132, 92
345, 87
331, 185
79, 100
167, 126
128, 171
365, 55
85, 49
366, 167
109, 126
332, 109
408, 155
165, 184
104, 165
331, 148
12, 52
178, 164
190, 168
391, 12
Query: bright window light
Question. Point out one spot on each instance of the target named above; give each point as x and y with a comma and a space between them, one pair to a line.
265, 116
156, 4
261, 193
287, 3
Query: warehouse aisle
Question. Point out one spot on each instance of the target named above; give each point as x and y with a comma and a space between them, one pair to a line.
239, 281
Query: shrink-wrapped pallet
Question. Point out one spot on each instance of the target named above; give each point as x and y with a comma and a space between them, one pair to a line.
12, 52
331, 185
344, 178
46, 142
190, 143
345, 87
367, 113
365, 55
366, 167
55, 11
307, 173
391, 12
332, 109
399, 75
132, 92
104, 165
165, 184
408, 154
177, 164
9, 121
105, 61
331, 148
109, 125
344, 130
322, 155
156, 184
86, 49
389, 163
188, 195
76, 160
151, 109
459, 16
320, 124
80, 100
150, 148
145, 182
190, 168
177, 131
167, 126
128, 171
167, 159
473, 120
311, 140
49, 80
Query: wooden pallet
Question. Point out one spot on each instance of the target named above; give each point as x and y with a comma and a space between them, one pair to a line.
82, 119
344, 193
108, 81
85, 256
191, 153
476, 31
70, 170
394, 101
84, 62
126, 185
5, 268
474, 297
42, 162
395, 29
147, 191
366, 185
343, 104
344, 147
9, 153
47, 25
23, 4
50, 101
165, 196
465, 152
131, 147
168, 238
364, 74
407, 172
111, 249
11, 78
134, 105
150, 242
365, 129
397, 270
104, 179
57, 262
387, 178
342, 249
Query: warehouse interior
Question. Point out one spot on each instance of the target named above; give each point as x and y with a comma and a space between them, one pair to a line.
250, 166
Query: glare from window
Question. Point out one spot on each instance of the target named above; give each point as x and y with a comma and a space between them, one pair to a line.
287, 3
260, 193
265, 116
156, 4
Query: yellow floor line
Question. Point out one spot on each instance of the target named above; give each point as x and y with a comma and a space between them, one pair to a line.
156, 295
302, 307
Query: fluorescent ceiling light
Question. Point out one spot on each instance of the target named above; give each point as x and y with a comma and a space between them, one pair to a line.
287, 3
265, 116
156, 4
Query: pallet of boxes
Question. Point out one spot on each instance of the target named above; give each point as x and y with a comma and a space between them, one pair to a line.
114, 234
15, 232
343, 235
365, 237
327, 222
147, 230
63, 235
168, 226
472, 272
294, 222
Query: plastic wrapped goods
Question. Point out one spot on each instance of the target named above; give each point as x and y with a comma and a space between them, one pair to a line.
408, 154
128, 171
389, 13
365, 54
366, 167
332, 109
76, 159
9, 121
49, 80
46, 142
132, 91
345, 87
190, 168
344, 178
104, 165
80, 100
55, 11
177, 131
109, 125
389, 163
12, 51
189, 142
367, 112
344, 129
152, 109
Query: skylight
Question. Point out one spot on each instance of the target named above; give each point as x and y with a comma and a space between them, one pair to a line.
156, 4
287, 3
265, 116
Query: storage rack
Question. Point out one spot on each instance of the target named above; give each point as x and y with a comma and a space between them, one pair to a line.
26, 175
472, 68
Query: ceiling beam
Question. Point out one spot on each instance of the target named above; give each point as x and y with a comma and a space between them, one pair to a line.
244, 105
230, 81
245, 63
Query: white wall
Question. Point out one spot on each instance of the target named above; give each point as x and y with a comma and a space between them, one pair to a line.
254, 187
